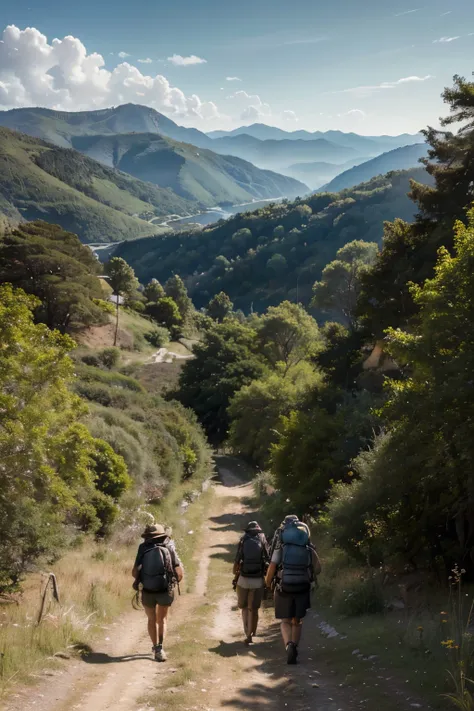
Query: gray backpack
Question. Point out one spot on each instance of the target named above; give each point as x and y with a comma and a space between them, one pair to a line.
296, 558
154, 573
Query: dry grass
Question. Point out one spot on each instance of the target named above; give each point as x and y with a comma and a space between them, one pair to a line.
94, 585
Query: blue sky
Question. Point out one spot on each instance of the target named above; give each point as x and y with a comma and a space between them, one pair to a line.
364, 65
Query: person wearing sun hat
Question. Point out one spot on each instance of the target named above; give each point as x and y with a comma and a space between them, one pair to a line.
249, 569
158, 570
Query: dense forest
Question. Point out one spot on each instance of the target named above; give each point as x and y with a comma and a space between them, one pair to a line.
261, 258
362, 419
82, 444
364, 422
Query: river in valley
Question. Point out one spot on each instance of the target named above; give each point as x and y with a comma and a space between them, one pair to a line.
218, 213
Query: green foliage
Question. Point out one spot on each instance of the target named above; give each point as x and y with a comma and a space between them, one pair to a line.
288, 334
414, 497
153, 291
361, 596
219, 307
109, 357
159, 337
52, 264
225, 360
256, 410
41, 182
46, 475
409, 253
111, 475
175, 289
165, 312
121, 277
211, 260
339, 289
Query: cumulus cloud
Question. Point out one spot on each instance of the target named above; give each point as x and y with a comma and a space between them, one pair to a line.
362, 91
249, 106
145, 61
289, 115
180, 61
123, 55
62, 75
356, 112
233, 79
445, 40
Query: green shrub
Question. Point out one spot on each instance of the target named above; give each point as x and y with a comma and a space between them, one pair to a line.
110, 470
109, 357
361, 596
91, 359
106, 511
106, 306
158, 337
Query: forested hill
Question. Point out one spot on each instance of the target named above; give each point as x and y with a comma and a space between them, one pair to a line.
276, 252
41, 181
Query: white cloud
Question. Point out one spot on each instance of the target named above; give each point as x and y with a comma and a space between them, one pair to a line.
449, 12
233, 79
356, 112
289, 115
249, 106
62, 75
145, 61
123, 55
180, 61
445, 40
362, 91
407, 12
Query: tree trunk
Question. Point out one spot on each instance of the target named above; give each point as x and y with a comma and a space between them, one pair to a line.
116, 321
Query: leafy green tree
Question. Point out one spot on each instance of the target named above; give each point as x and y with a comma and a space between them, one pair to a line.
165, 312
340, 285
256, 410
52, 264
219, 307
153, 291
45, 466
279, 232
288, 334
225, 360
123, 281
111, 474
277, 264
410, 251
176, 290
415, 498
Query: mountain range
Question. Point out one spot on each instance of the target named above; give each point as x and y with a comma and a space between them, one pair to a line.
398, 159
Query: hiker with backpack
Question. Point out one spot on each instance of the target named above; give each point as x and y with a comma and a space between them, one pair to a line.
294, 565
250, 565
158, 570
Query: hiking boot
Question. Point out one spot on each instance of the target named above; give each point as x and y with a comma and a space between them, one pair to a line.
291, 652
160, 654
248, 640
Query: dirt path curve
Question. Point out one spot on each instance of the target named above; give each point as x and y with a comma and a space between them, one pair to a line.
119, 673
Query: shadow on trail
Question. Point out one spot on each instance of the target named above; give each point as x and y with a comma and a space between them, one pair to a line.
102, 658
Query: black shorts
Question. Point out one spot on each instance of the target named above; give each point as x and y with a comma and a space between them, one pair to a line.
152, 599
290, 605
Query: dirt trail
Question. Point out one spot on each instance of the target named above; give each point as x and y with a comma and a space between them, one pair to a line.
119, 673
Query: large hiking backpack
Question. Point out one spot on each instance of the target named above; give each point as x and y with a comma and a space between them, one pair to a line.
253, 556
296, 558
154, 573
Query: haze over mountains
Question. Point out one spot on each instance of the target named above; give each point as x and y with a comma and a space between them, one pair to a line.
179, 170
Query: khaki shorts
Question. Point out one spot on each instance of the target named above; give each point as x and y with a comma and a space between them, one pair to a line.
152, 599
250, 599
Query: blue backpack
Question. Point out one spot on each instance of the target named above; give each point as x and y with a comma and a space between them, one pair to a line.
296, 557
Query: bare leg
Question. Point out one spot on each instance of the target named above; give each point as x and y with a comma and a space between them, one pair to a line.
296, 629
152, 631
245, 620
253, 615
162, 615
285, 626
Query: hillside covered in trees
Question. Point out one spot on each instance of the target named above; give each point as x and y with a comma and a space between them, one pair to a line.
366, 422
276, 252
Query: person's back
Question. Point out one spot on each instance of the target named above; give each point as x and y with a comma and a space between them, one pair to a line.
294, 562
250, 565
158, 569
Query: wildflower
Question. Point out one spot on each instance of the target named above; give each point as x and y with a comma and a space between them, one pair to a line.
419, 628
448, 643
